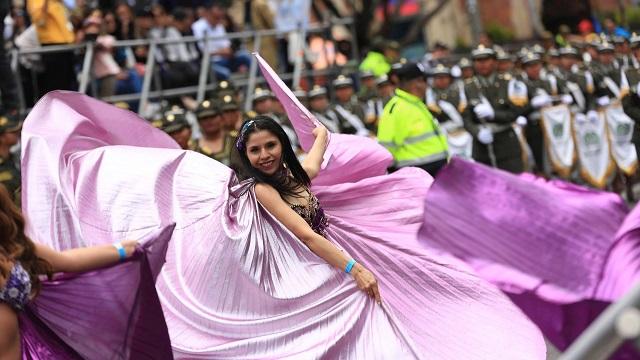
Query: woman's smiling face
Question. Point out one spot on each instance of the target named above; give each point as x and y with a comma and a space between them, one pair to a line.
264, 151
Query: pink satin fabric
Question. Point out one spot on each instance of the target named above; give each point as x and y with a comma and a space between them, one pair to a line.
237, 284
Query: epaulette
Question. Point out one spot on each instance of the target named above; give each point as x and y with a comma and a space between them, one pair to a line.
233, 133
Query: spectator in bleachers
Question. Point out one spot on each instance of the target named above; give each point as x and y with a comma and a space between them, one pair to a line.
125, 22
380, 57
263, 18
52, 26
105, 68
179, 65
224, 59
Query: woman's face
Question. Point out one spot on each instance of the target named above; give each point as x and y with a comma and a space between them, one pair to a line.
264, 151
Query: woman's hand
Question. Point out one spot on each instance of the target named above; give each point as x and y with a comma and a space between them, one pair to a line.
366, 281
320, 131
129, 247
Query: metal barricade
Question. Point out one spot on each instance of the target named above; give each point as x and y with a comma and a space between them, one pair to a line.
206, 78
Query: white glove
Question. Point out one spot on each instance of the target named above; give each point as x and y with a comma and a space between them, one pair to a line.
455, 71
603, 101
539, 101
484, 111
567, 99
580, 118
592, 116
485, 135
521, 120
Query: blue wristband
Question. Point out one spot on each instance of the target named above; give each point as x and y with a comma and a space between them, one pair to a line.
121, 251
349, 266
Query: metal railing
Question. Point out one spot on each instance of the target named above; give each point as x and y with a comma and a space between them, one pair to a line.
206, 78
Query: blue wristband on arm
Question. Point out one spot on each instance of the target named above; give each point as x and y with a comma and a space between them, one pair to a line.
121, 251
349, 266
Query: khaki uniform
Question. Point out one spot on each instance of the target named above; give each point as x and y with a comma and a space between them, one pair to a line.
10, 177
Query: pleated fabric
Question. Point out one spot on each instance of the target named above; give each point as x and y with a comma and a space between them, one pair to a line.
556, 248
237, 284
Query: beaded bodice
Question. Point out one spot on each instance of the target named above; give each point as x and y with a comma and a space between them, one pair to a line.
17, 288
313, 214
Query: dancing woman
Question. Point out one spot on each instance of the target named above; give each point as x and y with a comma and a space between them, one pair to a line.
283, 188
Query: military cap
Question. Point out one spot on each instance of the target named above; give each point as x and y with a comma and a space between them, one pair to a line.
617, 39
503, 55
366, 74
208, 108
228, 103
224, 87
300, 93
464, 63
173, 120
538, 49
530, 58
342, 81
606, 46
440, 69
382, 80
261, 94
553, 52
410, 71
9, 123
568, 51
482, 52
317, 91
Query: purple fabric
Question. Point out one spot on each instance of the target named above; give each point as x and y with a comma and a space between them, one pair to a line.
551, 245
109, 313
237, 283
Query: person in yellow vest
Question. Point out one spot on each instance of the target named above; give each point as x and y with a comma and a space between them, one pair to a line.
407, 128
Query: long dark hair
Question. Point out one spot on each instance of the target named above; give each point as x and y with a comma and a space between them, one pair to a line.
286, 185
15, 245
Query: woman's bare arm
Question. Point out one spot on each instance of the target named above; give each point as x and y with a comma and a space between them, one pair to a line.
312, 162
271, 200
83, 259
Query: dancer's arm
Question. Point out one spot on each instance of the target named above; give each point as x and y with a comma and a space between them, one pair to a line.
271, 200
312, 162
9, 333
83, 259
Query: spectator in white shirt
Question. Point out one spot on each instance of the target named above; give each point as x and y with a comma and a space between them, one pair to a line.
224, 60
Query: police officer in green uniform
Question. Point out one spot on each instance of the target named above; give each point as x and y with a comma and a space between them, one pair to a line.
174, 123
216, 142
407, 128
505, 62
607, 75
231, 113
543, 92
321, 108
443, 98
578, 80
347, 106
9, 171
495, 102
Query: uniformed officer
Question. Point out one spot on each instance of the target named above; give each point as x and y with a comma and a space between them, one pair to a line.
322, 110
505, 62
624, 57
608, 75
302, 96
443, 98
385, 89
174, 123
264, 103
231, 113
631, 101
10, 128
542, 92
215, 142
347, 105
466, 68
407, 128
496, 101
579, 81
367, 97
226, 87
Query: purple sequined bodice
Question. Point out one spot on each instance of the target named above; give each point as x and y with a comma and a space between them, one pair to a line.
17, 289
313, 214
